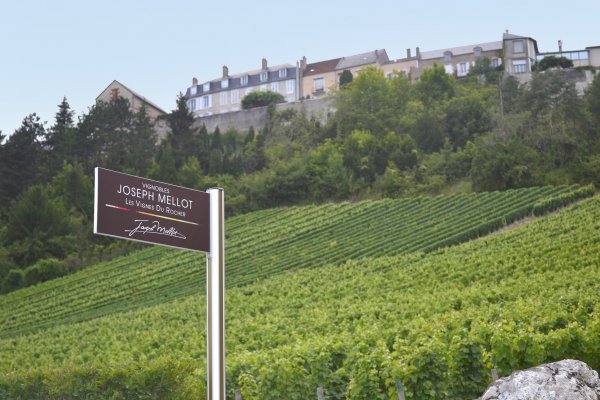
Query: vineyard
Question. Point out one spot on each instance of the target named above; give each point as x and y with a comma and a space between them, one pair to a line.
436, 318
268, 242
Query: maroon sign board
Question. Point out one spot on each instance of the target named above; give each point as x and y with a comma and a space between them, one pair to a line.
134, 208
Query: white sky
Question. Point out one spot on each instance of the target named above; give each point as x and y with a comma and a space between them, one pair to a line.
75, 48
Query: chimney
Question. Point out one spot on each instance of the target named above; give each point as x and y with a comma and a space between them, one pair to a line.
303, 63
114, 94
418, 53
264, 63
194, 81
225, 71
407, 53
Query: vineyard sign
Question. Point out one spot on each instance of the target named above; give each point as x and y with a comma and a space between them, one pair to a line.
134, 208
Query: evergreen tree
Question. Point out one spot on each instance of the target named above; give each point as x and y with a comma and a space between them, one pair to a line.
60, 139
183, 137
21, 158
142, 142
345, 78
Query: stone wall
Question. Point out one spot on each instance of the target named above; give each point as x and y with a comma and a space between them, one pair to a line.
257, 117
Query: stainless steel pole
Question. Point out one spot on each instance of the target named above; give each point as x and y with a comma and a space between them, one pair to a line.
215, 298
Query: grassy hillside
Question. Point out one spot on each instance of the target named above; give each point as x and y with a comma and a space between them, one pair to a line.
438, 321
269, 242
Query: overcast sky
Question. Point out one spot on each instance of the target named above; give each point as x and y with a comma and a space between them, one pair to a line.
75, 48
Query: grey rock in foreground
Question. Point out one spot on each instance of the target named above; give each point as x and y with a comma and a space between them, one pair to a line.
562, 380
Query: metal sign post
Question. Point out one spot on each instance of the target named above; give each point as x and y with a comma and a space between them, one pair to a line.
134, 208
215, 298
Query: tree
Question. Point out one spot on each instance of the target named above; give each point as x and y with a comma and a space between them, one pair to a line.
261, 98
183, 136
367, 104
435, 85
104, 135
21, 158
501, 166
163, 169
364, 155
142, 143
345, 78
592, 101
40, 227
466, 118
549, 62
60, 139
483, 69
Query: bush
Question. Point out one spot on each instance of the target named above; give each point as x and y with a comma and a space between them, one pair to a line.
43, 271
261, 98
12, 281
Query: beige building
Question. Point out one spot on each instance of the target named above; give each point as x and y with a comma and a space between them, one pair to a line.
225, 94
323, 76
458, 61
116, 89
520, 54
408, 66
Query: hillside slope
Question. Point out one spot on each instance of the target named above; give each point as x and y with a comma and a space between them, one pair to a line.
438, 322
268, 242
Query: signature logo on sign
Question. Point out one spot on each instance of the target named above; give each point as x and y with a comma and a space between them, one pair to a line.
154, 228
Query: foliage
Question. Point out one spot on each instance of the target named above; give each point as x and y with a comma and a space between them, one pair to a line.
20, 159
271, 242
549, 62
439, 322
182, 137
345, 78
261, 98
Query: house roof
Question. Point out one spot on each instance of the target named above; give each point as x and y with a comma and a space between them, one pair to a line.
135, 94
371, 57
254, 72
321, 67
456, 51
510, 36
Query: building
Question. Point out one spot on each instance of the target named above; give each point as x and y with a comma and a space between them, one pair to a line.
320, 77
225, 94
458, 61
409, 66
590, 56
520, 54
116, 89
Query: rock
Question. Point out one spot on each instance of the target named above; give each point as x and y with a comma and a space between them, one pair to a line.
562, 380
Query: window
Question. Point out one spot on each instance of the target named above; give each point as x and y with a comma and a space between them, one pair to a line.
319, 85
290, 86
206, 87
223, 98
518, 46
193, 91
235, 97
275, 87
496, 62
449, 69
224, 83
447, 55
264, 75
247, 91
463, 69
244, 80
477, 51
192, 104
206, 101
519, 66
283, 73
